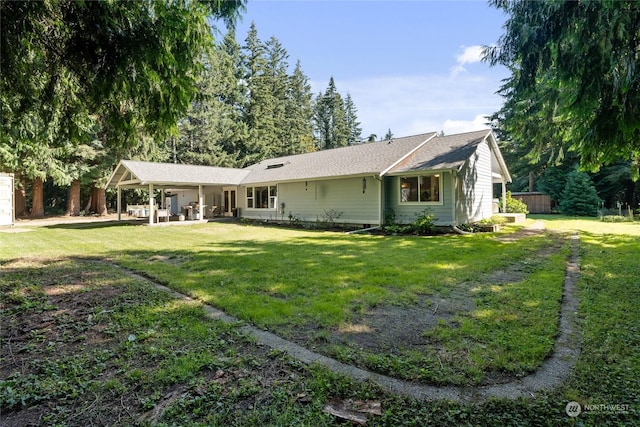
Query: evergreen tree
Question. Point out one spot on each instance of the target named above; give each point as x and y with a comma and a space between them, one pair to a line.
72, 70
351, 118
248, 107
277, 135
330, 124
579, 196
233, 94
299, 113
131, 63
388, 136
268, 88
553, 179
256, 114
615, 185
576, 65
201, 132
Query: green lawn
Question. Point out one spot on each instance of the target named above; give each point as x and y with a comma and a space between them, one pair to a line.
311, 287
302, 284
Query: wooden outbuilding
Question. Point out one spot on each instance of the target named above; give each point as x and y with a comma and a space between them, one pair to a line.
537, 203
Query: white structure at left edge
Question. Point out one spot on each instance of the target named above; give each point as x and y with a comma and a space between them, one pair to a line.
7, 202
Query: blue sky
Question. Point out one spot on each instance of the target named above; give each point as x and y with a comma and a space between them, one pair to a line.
410, 66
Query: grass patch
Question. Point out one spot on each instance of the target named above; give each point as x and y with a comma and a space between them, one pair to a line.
132, 358
298, 283
84, 344
510, 328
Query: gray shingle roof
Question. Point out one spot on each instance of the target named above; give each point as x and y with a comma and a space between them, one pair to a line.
368, 158
401, 155
442, 152
176, 174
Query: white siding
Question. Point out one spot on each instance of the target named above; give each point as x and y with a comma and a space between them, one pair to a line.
475, 189
307, 200
406, 213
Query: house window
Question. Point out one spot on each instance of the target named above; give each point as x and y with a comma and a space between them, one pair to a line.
420, 189
249, 197
264, 197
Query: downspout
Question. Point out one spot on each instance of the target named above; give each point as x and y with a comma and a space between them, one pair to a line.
381, 203
363, 230
454, 197
457, 230
504, 196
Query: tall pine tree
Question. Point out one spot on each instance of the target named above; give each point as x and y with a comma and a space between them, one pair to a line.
278, 108
351, 118
299, 113
330, 119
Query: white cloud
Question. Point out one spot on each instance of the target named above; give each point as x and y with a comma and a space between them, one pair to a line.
469, 55
460, 126
409, 105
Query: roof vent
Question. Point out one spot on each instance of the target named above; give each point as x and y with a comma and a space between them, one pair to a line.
275, 166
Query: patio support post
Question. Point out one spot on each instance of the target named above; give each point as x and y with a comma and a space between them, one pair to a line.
151, 204
504, 196
119, 203
200, 203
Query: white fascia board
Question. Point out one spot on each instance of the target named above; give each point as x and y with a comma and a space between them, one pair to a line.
498, 154
113, 174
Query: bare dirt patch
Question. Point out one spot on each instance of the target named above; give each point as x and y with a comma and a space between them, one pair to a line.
68, 357
394, 329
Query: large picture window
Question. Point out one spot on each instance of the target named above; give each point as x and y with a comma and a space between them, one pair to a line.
262, 197
420, 189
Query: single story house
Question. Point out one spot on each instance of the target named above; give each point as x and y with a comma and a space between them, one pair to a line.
452, 175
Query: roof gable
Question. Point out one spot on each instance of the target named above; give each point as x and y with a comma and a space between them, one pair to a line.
442, 152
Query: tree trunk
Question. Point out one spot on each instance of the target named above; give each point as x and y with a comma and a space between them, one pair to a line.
20, 197
174, 147
101, 201
73, 200
98, 201
87, 207
37, 204
532, 181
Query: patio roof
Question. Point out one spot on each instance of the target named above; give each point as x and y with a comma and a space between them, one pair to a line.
135, 174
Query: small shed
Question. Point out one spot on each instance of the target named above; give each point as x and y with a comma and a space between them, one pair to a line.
536, 202
7, 206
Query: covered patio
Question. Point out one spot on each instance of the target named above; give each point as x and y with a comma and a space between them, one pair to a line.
187, 192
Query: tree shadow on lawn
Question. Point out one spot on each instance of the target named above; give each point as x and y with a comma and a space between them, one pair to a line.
349, 299
96, 224
84, 343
